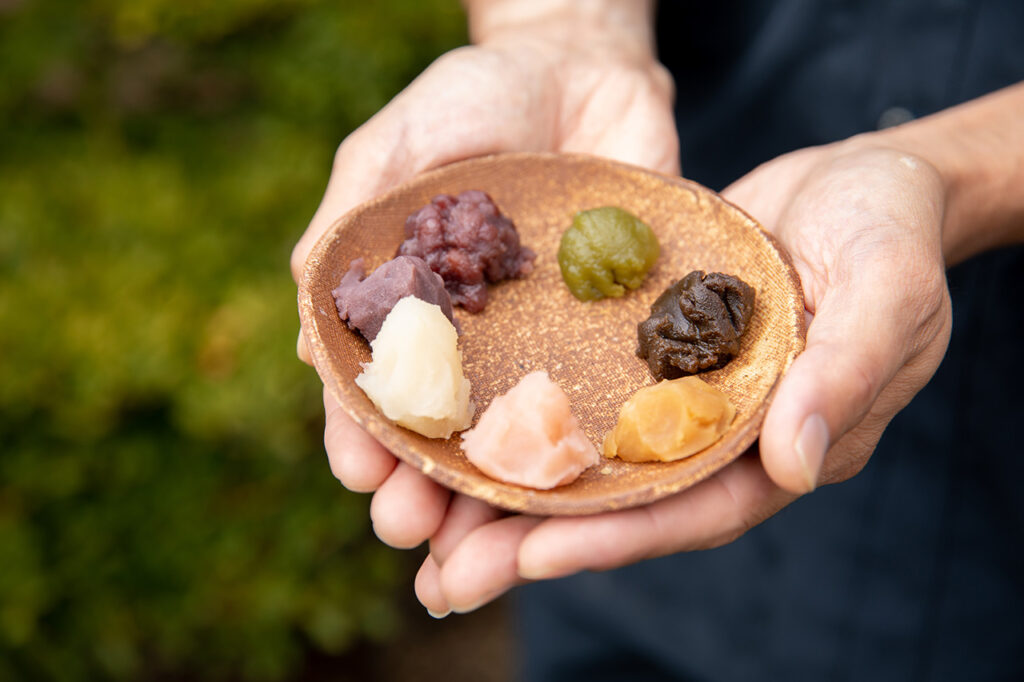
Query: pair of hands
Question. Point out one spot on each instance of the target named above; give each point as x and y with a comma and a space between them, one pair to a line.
861, 220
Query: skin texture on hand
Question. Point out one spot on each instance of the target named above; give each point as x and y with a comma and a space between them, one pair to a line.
545, 76
864, 228
517, 92
863, 225
863, 219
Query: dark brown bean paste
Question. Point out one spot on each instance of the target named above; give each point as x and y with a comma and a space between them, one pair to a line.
467, 241
363, 302
695, 324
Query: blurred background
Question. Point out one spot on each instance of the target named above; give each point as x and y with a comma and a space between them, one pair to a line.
166, 509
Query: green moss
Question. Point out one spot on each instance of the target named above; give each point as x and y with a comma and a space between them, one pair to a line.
165, 503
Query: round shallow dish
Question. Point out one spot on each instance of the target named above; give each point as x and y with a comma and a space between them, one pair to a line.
536, 324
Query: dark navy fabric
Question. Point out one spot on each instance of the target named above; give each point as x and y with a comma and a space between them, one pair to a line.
914, 569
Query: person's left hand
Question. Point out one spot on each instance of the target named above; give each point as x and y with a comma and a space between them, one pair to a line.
863, 226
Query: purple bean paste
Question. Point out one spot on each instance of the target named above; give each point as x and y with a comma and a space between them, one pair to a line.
467, 241
363, 302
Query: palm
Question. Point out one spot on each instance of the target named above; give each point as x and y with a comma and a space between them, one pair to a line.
480, 100
471, 102
861, 225
855, 223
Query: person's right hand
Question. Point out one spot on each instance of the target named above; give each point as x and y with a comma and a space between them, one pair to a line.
545, 86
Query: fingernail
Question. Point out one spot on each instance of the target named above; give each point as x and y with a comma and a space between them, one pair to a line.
438, 614
811, 444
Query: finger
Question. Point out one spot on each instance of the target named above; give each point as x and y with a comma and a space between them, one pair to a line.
863, 332
357, 460
483, 566
710, 514
407, 508
428, 589
464, 515
861, 230
302, 351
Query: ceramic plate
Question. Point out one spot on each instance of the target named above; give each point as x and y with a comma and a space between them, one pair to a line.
536, 324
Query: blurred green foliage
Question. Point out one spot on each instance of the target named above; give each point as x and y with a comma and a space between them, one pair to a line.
165, 505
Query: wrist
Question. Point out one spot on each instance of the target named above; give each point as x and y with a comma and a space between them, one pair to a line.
976, 148
621, 30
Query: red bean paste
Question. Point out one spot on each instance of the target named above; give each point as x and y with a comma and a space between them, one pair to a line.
467, 241
364, 302
695, 324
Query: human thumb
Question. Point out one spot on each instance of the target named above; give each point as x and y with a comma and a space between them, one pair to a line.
872, 344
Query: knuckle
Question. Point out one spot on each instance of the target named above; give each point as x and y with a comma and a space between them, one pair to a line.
297, 260
737, 526
338, 457
848, 457
929, 299
736, 522
662, 80
928, 286
850, 469
358, 152
344, 150
336, 461
738, 530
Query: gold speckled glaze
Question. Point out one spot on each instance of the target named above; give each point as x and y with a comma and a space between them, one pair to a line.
536, 324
